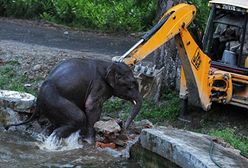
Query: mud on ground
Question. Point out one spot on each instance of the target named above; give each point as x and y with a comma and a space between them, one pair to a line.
36, 61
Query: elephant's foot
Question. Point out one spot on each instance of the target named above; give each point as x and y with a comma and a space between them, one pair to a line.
89, 139
64, 131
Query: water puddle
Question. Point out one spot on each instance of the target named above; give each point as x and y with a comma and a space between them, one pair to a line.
18, 149
22, 147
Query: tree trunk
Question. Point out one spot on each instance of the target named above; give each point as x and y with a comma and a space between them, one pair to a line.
166, 56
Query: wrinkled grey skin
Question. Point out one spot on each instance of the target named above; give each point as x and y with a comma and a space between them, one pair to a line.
73, 94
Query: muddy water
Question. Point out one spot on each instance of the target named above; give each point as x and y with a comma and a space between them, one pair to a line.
22, 147
22, 150
19, 149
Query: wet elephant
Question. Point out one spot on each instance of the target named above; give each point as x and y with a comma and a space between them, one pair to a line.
73, 94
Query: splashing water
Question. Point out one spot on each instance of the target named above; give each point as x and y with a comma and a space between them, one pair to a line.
52, 143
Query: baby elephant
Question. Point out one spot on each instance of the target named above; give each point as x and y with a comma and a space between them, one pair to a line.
73, 94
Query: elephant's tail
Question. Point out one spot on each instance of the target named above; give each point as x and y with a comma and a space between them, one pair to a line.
30, 119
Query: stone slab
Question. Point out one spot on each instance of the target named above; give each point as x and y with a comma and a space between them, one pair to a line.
16, 100
188, 149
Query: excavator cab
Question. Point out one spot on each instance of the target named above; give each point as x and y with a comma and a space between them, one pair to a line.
226, 43
226, 36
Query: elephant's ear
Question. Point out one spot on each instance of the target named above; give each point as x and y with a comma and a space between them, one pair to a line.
111, 75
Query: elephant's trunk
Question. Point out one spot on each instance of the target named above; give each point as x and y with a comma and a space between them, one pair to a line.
137, 101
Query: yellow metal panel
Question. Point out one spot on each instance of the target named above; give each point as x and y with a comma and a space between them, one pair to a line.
196, 64
227, 88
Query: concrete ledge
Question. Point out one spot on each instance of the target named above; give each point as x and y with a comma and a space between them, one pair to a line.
188, 149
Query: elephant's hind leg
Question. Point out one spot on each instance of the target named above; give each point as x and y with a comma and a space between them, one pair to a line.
63, 113
64, 131
69, 117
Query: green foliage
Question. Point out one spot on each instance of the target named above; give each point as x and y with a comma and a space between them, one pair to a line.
168, 109
202, 13
114, 106
229, 136
11, 79
24, 8
108, 15
105, 14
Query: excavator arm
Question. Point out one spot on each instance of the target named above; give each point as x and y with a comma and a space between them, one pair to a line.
195, 64
171, 24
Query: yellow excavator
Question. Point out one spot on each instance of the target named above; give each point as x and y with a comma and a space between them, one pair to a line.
218, 70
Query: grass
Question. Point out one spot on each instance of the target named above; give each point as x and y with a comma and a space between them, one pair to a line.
11, 78
167, 109
228, 135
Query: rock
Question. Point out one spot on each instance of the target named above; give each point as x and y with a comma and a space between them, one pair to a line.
100, 138
9, 116
27, 85
138, 34
123, 136
124, 153
31, 77
21, 102
107, 127
106, 118
139, 125
144, 124
105, 145
188, 149
36, 67
132, 136
3, 117
119, 142
225, 145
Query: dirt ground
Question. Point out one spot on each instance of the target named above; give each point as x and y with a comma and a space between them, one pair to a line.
219, 117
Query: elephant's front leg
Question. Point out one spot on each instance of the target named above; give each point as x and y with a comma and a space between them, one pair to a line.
99, 93
93, 113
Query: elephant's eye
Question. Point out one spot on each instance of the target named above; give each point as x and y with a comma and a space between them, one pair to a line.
133, 85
